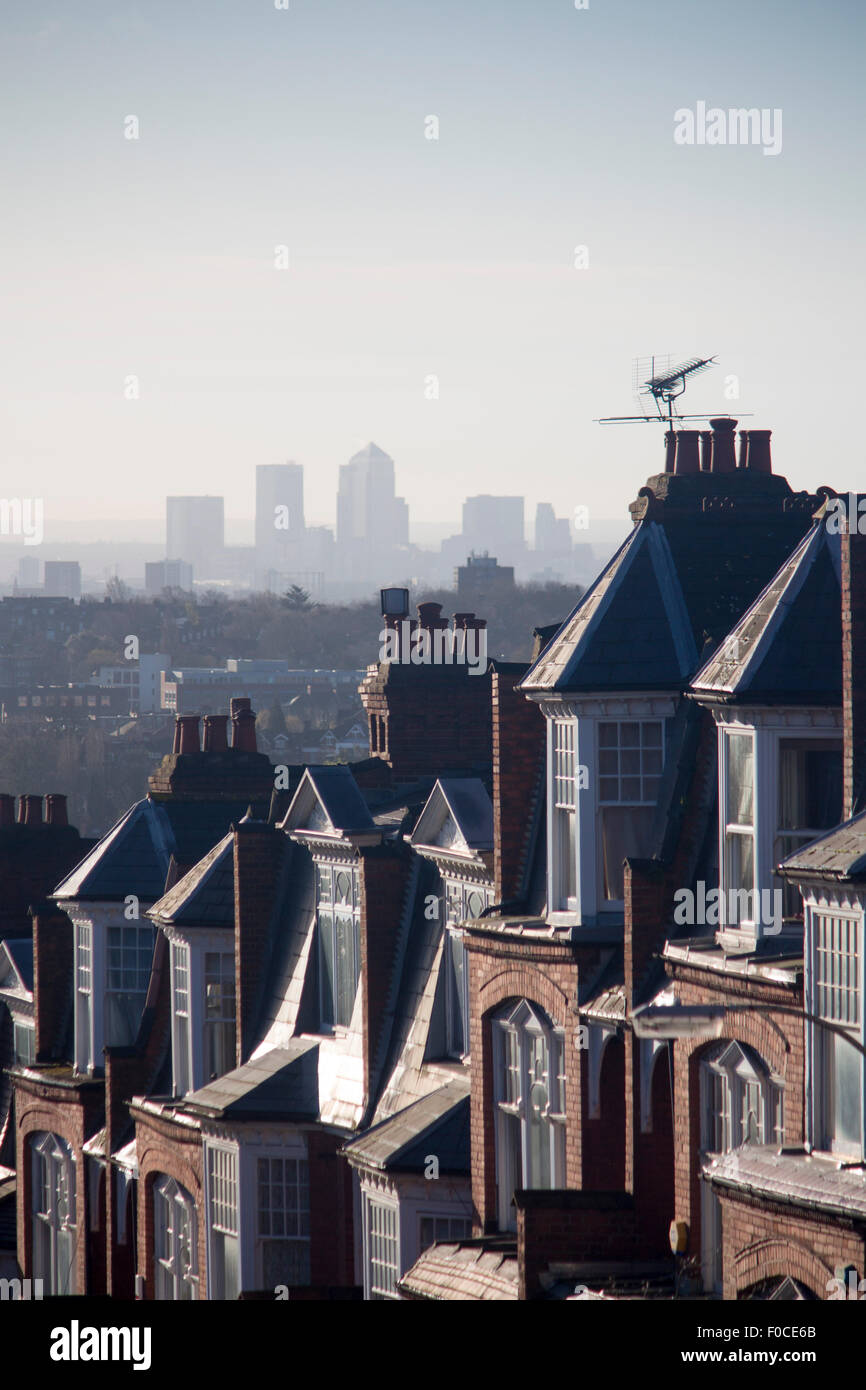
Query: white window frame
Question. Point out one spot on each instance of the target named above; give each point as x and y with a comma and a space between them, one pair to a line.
222, 1193
326, 933
460, 907
135, 945
181, 1021
564, 822
219, 1023
85, 996
838, 1004
517, 1028
176, 1277
381, 1239
298, 1216
646, 798
24, 1029
54, 1215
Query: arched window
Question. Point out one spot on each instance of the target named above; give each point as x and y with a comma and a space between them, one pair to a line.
529, 1094
175, 1233
54, 1218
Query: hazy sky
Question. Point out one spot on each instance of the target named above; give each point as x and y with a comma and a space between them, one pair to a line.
411, 257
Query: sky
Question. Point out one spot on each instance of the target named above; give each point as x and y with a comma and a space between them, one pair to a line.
432, 300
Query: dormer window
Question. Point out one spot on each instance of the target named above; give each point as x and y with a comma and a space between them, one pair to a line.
129, 959
739, 826
219, 1013
338, 925
564, 828
204, 1010
810, 802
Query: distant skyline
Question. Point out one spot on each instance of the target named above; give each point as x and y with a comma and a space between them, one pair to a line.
411, 258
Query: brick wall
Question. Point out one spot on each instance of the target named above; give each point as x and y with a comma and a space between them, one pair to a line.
176, 1150
435, 718
52, 980
384, 881
332, 1250
570, 1227
853, 669
259, 850
762, 1241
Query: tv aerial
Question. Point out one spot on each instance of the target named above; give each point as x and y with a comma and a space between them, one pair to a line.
660, 381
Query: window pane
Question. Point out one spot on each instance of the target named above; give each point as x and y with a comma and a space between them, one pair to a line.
741, 779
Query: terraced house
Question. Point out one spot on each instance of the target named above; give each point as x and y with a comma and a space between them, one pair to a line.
560, 988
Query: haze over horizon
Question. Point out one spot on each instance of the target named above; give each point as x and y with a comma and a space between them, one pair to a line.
410, 257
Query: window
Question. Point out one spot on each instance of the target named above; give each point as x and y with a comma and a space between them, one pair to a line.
283, 1187
837, 1063
463, 901
810, 801
434, 1229
564, 814
530, 1104
54, 1216
383, 1245
83, 996
220, 1053
180, 1047
223, 1207
630, 761
739, 828
338, 913
175, 1232
25, 1044
740, 1104
128, 964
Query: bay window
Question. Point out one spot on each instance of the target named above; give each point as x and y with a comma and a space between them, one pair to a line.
809, 802
129, 957
84, 1041
835, 958
739, 823
175, 1233
180, 1021
382, 1243
220, 1053
224, 1262
54, 1215
530, 1104
463, 902
283, 1221
564, 828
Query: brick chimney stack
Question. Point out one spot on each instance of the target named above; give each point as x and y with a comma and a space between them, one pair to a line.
244, 729
215, 739
55, 809
258, 856
853, 668
186, 735
30, 810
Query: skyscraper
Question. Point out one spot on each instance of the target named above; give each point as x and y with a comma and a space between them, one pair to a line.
367, 509
494, 524
279, 512
195, 531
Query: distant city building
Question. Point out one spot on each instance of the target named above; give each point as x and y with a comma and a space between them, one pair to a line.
195, 531
279, 512
62, 579
494, 524
367, 508
167, 574
552, 533
142, 678
29, 573
482, 577
207, 688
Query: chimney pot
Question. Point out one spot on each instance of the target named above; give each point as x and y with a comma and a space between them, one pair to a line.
429, 616
55, 809
724, 453
32, 807
670, 450
175, 747
706, 451
759, 459
215, 738
244, 731
687, 460
189, 736
239, 702
7, 810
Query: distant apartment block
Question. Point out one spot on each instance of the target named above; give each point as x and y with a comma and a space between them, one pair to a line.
482, 577
195, 530
279, 511
62, 579
167, 574
142, 678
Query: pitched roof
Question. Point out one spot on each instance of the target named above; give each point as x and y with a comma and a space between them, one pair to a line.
788, 644
402, 1143
329, 801
630, 631
19, 974
134, 856
281, 1084
838, 855
206, 895
458, 816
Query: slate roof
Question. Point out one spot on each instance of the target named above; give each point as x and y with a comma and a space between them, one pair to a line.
281, 1084
797, 1178
466, 1270
342, 807
402, 1143
204, 897
20, 952
788, 644
133, 857
839, 855
631, 629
